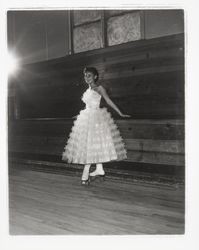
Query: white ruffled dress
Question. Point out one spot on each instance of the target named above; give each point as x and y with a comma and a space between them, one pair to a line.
95, 137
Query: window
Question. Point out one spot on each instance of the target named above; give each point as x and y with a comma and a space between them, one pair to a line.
94, 29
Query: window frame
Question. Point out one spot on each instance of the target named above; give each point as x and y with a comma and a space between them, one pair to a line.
103, 21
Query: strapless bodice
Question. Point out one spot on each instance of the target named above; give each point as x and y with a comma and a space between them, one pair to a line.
91, 98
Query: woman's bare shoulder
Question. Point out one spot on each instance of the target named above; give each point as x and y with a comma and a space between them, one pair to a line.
100, 88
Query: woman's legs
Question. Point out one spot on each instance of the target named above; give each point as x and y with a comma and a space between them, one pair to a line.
98, 171
85, 174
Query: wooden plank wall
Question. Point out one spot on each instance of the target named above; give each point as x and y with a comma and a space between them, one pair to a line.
145, 78
156, 142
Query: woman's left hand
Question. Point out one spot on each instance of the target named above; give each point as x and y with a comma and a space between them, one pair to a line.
123, 115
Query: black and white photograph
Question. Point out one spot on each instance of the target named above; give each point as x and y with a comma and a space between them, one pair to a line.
96, 121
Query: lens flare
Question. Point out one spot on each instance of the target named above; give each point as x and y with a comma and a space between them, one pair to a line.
12, 63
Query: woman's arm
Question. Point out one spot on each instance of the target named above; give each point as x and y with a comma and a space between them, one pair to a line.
104, 94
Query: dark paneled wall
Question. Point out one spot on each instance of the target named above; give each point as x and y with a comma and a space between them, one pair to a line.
163, 23
147, 141
144, 78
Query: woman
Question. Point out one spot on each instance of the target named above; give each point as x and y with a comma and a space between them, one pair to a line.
94, 138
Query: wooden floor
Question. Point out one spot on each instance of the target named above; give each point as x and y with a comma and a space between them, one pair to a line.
46, 203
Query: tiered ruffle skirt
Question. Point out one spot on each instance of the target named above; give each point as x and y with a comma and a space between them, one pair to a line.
94, 138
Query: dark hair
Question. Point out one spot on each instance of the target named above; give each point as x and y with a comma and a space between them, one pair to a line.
92, 70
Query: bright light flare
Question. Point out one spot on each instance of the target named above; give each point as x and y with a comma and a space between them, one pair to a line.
12, 63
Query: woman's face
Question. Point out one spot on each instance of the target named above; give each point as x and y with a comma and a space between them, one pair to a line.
89, 77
